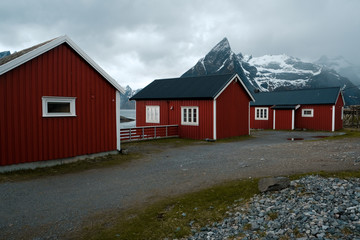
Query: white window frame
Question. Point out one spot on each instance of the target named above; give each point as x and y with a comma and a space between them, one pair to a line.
262, 111
46, 100
152, 114
191, 110
303, 114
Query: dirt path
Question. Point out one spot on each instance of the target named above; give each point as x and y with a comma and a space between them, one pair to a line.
49, 207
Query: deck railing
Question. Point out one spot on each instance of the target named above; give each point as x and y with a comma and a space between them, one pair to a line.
148, 132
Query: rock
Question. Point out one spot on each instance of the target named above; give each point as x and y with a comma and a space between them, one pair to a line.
273, 184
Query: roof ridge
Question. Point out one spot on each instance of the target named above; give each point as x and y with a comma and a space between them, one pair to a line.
18, 54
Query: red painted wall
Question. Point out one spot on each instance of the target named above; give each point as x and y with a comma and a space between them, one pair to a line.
232, 112
338, 112
283, 119
25, 136
261, 124
320, 121
170, 114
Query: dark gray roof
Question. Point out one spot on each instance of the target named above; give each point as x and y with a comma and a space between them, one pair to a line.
285, 107
294, 97
202, 87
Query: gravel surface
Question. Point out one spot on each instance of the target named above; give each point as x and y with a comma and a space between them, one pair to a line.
55, 207
311, 208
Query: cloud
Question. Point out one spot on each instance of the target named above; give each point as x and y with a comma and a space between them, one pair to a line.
137, 41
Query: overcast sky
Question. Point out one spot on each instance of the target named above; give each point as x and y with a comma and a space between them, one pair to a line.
137, 41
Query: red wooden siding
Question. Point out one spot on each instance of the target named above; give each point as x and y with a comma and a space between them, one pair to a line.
170, 114
338, 113
261, 124
25, 136
320, 121
283, 119
232, 112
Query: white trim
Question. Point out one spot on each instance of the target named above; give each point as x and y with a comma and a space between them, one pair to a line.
152, 114
274, 120
342, 113
135, 114
191, 122
333, 119
307, 115
52, 44
117, 106
54, 99
264, 110
214, 119
236, 76
292, 119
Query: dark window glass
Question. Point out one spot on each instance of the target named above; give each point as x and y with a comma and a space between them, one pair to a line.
57, 107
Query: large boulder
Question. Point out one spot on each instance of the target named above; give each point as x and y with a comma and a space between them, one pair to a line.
273, 184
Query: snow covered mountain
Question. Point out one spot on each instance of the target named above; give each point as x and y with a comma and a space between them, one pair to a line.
272, 72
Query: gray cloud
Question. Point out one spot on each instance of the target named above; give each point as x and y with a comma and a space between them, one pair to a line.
137, 41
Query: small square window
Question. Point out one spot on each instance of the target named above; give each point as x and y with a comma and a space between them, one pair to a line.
153, 114
261, 113
307, 113
189, 116
58, 106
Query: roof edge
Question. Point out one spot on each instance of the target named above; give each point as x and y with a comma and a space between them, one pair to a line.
235, 75
52, 44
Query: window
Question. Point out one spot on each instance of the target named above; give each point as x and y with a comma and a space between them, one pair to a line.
189, 116
261, 113
307, 112
153, 114
58, 106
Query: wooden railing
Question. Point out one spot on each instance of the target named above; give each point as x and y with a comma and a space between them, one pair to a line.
148, 132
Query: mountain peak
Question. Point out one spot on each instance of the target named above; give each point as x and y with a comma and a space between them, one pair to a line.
223, 45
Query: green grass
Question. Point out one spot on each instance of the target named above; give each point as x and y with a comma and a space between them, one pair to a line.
171, 217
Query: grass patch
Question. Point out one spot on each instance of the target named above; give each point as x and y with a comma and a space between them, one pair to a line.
340, 174
79, 166
171, 218
349, 133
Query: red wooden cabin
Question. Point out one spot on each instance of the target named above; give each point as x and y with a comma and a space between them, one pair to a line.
205, 107
315, 109
56, 104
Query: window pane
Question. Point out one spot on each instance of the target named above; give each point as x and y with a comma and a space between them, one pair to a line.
58, 107
265, 113
185, 115
156, 115
194, 115
257, 113
189, 115
261, 113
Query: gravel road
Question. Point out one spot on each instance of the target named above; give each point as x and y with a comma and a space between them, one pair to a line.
54, 207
